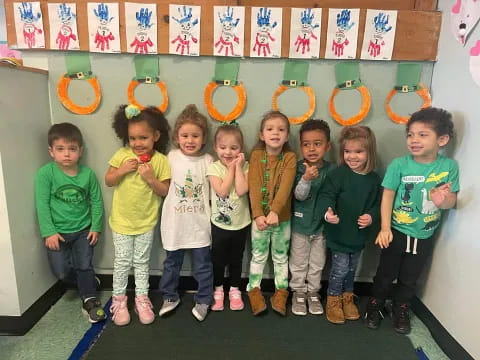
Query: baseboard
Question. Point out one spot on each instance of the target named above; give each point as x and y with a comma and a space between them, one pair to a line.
20, 325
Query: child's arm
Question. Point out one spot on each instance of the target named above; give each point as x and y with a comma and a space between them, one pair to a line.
96, 206
327, 197
222, 186
385, 236
443, 197
115, 175
241, 181
159, 187
372, 214
255, 178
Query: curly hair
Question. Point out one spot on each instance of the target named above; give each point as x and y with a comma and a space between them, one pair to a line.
367, 137
154, 119
191, 115
439, 119
66, 131
316, 124
272, 115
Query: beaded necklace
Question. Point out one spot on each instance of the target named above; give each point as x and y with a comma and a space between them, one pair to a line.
266, 177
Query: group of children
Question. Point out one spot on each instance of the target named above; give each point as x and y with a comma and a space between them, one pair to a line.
293, 209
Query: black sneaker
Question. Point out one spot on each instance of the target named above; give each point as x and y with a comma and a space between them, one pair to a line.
401, 318
374, 315
93, 309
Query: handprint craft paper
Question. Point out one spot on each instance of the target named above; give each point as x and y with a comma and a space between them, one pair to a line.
63, 26
184, 30
342, 33
103, 27
141, 26
305, 29
228, 34
266, 32
29, 25
379, 35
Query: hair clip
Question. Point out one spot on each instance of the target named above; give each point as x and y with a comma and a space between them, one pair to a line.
131, 111
232, 123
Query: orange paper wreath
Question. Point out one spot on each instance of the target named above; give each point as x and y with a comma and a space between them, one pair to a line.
62, 92
311, 103
364, 109
237, 110
161, 85
399, 119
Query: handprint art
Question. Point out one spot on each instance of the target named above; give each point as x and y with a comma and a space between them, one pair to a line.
104, 34
228, 35
381, 28
142, 39
65, 33
29, 20
183, 39
306, 32
343, 25
263, 36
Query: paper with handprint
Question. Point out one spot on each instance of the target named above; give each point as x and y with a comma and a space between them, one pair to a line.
266, 32
184, 30
141, 26
379, 35
63, 26
464, 17
342, 33
228, 30
305, 29
29, 25
103, 27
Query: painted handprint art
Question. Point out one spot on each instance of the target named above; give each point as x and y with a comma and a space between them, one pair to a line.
184, 30
103, 27
63, 26
342, 33
379, 35
141, 28
266, 34
29, 25
305, 28
228, 30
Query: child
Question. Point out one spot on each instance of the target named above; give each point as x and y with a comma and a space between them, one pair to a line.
186, 214
140, 173
416, 188
70, 213
307, 248
230, 213
350, 200
270, 181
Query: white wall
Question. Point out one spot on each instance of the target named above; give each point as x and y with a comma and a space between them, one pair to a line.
452, 290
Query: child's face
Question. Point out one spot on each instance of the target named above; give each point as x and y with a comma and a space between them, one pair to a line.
142, 138
314, 146
355, 155
227, 148
274, 134
65, 153
190, 139
423, 142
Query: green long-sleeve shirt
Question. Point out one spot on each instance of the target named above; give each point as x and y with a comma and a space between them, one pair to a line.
67, 204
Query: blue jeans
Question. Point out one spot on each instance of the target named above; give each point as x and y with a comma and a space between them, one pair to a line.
72, 264
342, 273
202, 272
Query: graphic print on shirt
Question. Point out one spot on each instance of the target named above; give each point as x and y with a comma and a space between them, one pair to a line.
190, 196
225, 207
70, 193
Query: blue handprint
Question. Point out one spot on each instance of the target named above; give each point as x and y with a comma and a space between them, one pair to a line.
26, 13
65, 13
263, 18
343, 20
380, 21
227, 18
186, 17
102, 13
143, 18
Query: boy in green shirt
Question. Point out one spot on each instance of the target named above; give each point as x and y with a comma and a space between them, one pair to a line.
70, 213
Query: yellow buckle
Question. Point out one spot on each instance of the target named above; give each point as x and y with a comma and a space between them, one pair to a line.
404, 88
148, 80
348, 83
226, 82
293, 82
80, 75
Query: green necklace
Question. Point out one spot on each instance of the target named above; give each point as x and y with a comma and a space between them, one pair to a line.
266, 178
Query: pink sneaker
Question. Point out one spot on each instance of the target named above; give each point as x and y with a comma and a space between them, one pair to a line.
143, 307
218, 297
119, 310
235, 297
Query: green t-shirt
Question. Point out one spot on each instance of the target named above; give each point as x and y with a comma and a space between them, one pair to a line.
413, 212
232, 212
67, 204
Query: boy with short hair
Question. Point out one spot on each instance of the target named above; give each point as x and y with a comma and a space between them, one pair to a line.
416, 188
307, 248
70, 213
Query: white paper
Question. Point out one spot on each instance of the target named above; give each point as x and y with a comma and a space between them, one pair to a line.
228, 30
475, 63
141, 28
305, 30
463, 18
342, 33
266, 32
29, 25
63, 26
379, 35
103, 27
184, 27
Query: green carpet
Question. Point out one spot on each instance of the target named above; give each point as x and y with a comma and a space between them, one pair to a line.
239, 335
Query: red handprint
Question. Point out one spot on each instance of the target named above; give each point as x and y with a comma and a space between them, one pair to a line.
141, 45
102, 38
184, 42
65, 34
261, 43
29, 31
304, 41
339, 44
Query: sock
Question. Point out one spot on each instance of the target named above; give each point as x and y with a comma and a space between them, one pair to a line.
233, 288
219, 288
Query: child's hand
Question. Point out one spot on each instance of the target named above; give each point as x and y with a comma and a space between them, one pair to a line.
52, 241
93, 237
311, 172
261, 222
364, 221
384, 238
146, 172
128, 166
272, 219
240, 160
439, 194
330, 217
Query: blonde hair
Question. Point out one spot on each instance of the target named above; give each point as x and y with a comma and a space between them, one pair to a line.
231, 130
191, 115
271, 115
367, 137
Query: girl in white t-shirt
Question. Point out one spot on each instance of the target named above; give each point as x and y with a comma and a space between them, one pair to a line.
140, 174
185, 220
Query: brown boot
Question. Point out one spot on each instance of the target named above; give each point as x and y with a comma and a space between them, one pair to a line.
279, 301
334, 310
257, 301
350, 310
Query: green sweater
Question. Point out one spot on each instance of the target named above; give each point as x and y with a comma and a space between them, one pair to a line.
67, 204
350, 195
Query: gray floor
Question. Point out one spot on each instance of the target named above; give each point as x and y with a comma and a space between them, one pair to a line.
58, 332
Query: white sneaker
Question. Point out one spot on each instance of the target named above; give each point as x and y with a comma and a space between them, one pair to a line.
168, 306
200, 311
314, 305
299, 303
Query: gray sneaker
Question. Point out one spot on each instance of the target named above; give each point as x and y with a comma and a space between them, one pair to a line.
299, 303
200, 311
314, 305
168, 306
